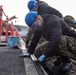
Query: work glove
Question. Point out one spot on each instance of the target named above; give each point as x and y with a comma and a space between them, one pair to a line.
74, 21
41, 58
25, 55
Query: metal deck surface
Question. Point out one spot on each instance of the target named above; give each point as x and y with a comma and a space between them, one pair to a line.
10, 63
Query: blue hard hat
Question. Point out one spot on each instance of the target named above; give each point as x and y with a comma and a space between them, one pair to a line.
30, 17
32, 4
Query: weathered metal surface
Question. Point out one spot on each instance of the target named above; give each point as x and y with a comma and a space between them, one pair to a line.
10, 63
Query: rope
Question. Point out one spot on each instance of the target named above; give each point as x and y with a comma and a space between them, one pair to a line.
5, 14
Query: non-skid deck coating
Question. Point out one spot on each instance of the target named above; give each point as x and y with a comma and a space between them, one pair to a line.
10, 63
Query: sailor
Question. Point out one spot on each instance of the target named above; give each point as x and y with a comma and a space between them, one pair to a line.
53, 28
42, 8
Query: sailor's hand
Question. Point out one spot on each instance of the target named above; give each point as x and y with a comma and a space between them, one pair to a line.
41, 58
25, 55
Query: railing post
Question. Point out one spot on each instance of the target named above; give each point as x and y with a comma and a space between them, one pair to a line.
6, 32
1, 10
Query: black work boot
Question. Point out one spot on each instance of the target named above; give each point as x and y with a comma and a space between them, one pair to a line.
66, 66
58, 61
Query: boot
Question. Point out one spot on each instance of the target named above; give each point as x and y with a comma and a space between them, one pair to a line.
66, 66
58, 62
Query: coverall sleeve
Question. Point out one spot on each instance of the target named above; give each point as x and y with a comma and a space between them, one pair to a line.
34, 41
55, 12
55, 33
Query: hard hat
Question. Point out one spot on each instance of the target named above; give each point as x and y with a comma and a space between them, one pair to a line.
32, 4
30, 17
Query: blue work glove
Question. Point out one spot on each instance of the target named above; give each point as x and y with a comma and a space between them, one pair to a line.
74, 21
41, 58
25, 55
